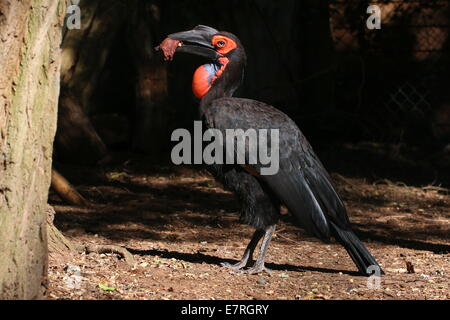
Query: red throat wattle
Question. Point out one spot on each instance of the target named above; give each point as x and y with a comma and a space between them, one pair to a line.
206, 75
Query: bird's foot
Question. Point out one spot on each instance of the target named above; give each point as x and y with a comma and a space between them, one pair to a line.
236, 267
256, 269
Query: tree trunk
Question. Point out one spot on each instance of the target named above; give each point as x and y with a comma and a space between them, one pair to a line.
151, 79
84, 54
76, 139
30, 36
85, 51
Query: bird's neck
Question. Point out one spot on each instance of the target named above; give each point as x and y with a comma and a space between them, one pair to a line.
224, 86
216, 92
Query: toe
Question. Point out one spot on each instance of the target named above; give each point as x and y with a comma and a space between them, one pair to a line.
235, 267
258, 269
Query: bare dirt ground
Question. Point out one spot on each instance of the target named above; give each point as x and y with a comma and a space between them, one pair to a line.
179, 224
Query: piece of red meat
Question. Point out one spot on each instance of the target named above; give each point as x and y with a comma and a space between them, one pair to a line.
168, 47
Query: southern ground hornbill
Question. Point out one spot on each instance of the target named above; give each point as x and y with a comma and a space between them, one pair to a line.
302, 184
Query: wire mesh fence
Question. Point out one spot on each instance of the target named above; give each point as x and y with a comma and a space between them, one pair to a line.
392, 78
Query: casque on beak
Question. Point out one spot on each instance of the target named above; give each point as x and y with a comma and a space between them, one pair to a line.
196, 41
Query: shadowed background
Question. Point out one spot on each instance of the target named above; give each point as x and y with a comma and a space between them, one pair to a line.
379, 93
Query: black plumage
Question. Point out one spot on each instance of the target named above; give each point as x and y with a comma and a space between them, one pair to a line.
302, 184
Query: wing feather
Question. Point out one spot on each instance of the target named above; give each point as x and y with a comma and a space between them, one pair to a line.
302, 183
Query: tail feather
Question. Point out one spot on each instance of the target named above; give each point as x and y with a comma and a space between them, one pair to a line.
312, 199
356, 249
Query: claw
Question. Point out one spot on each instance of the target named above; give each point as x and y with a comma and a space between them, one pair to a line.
237, 267
256, 270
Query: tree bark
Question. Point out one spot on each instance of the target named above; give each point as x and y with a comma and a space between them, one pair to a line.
30, 37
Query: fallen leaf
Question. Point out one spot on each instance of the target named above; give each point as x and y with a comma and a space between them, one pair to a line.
105, 287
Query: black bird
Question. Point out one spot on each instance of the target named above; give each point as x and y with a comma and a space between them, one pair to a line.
302, 184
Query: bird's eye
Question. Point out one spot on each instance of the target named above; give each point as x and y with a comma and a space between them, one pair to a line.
221, 44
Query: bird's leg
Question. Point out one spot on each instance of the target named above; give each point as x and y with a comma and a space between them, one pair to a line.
259, 267
248, 253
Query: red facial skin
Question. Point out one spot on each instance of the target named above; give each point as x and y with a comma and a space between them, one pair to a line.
200, 82
223, 44
203, 79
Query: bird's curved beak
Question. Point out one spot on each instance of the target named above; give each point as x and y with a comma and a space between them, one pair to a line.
196, 41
